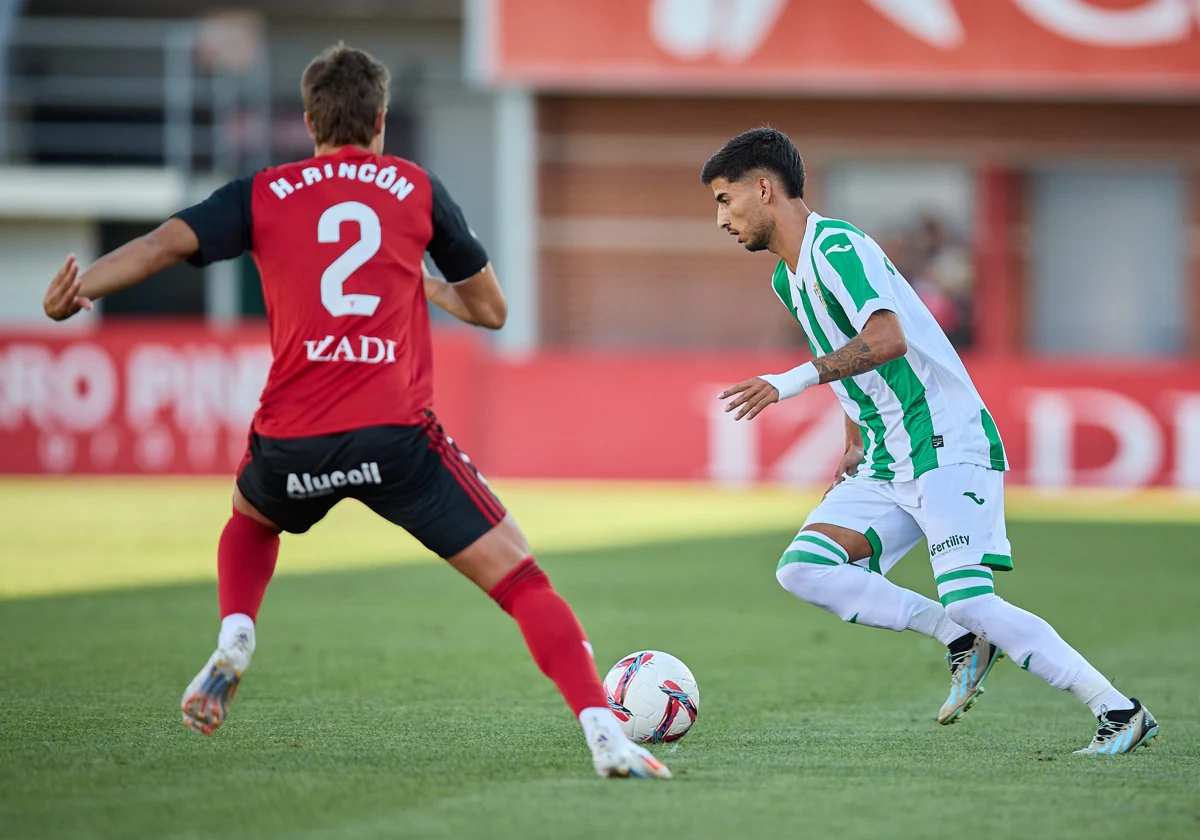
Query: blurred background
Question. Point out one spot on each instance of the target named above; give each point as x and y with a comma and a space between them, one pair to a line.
1031, 166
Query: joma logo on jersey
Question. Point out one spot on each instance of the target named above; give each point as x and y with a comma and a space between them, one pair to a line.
370, 350
946, 545
307, 486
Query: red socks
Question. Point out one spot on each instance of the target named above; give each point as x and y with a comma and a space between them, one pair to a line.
553, 634
245, 562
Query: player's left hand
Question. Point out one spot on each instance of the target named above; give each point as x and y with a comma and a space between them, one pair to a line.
62, 299
753, 396
847, 466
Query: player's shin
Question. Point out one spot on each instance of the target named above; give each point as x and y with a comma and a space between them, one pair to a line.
1031, 642
555, 638
246, 559
561, 650
245, 562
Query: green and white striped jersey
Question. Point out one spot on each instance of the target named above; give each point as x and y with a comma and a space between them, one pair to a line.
917, 412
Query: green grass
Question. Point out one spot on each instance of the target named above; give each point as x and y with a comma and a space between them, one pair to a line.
401, 703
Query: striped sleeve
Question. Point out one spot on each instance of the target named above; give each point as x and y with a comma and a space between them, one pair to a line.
854, 270
783, 288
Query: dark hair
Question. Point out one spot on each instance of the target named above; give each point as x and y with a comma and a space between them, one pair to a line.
344, 90
759, 148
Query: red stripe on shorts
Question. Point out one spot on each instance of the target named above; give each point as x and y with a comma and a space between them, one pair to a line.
473, 476
248, 456
463, 474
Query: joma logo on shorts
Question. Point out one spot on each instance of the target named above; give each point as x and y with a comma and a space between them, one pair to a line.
946, 545
307, 486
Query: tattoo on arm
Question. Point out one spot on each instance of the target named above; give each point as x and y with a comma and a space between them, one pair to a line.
851, 360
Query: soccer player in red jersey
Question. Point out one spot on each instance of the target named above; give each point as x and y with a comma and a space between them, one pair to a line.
339, 240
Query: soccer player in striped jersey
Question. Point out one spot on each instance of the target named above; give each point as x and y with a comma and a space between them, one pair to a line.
923, 456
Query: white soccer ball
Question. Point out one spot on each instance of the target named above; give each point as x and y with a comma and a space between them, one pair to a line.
653, 695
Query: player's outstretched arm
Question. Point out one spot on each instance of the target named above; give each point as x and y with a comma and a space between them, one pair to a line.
881, 340
478, 300
170, 243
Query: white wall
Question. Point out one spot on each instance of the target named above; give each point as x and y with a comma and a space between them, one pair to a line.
30, 253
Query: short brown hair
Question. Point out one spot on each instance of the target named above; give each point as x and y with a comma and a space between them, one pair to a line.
344, 90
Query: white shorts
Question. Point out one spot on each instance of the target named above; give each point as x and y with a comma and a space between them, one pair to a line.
958, 508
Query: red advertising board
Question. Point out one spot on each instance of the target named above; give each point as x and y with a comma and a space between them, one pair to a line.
1145, 48
178, 399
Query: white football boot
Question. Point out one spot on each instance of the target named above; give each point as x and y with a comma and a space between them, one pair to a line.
969, 667
206, 701
618, 757
1123, 731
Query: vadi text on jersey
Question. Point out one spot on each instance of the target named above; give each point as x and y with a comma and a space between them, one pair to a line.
371, 350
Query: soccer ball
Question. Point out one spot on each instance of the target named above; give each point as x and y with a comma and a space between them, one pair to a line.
653, 695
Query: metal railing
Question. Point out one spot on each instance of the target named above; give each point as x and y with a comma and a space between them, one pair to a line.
190, 95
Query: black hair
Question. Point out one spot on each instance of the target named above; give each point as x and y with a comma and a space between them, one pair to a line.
763, 148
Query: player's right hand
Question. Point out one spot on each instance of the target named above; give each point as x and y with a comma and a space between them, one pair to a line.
847, 466
62, 299
752, 396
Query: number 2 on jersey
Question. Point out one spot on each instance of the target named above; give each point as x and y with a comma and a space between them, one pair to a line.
329, 229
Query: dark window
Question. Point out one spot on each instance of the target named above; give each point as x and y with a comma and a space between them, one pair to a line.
177, 291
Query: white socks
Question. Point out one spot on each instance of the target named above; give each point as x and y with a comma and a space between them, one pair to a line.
1035, 646
237, 637
860, 597
600, 719
1094, 689
1030, 641
932, 621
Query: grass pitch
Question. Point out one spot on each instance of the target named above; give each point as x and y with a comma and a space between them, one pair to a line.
396, 701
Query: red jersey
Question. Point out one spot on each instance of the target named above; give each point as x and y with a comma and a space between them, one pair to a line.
338, 240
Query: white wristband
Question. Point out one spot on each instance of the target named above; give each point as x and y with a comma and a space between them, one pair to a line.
794, 381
